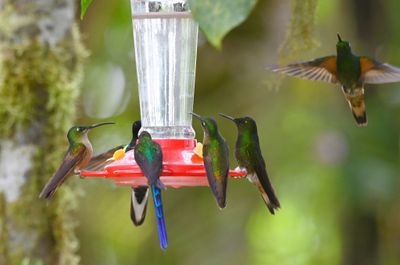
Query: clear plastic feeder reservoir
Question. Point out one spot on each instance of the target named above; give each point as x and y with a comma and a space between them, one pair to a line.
165, 39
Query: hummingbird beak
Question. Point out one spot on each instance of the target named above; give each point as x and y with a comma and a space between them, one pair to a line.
99, 124
226, 116
197, 116
339, 38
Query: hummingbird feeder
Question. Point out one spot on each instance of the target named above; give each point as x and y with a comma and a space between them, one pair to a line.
165, 40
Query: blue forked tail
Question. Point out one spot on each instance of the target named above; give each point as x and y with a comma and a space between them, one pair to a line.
162, 231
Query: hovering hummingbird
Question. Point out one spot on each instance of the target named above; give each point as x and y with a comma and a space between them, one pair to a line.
248, 155
78, 155
216, 158
351, 72
148, 156
140, 194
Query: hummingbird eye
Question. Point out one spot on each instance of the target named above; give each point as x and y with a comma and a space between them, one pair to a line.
203, 123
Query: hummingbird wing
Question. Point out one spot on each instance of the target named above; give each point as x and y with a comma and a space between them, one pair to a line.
374, 72
98, 162
151, 168
72, 160
322, 69
262, 180
139, 204
216, 163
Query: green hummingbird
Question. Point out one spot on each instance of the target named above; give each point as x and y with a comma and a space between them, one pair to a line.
248, 155
78, 155
215, 158
139, 195
350, 71
148, 156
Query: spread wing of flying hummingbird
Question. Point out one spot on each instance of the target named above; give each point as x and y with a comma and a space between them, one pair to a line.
248, 155
78, 155
350, 71
148, 156
139, 195
216, 158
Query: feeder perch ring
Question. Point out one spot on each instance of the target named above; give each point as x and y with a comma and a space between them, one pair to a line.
181, 167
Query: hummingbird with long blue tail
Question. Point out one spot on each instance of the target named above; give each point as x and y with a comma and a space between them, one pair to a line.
215, 158
350, 71
248, 155
148, 156
78, 155
139, 195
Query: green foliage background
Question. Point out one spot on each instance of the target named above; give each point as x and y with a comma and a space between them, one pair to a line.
339, 185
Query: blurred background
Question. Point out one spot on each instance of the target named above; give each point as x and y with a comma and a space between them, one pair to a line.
339, 185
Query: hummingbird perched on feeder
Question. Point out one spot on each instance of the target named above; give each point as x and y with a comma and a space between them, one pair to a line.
350, 71
248, 155
140, 194
78, 155
215, 158
148, 156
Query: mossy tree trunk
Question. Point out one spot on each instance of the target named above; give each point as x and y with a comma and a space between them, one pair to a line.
40, 72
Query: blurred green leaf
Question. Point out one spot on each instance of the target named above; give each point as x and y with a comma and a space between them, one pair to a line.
84, 6
217, 17
27, 261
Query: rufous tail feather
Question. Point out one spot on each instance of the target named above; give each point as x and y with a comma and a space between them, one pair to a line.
357, 104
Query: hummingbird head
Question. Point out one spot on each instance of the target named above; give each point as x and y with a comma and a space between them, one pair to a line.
76, 133
136, 128
208, 124
145, 135
342, 45
245, 123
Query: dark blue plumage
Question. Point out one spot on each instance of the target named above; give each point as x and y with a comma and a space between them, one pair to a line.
148, 156
162, 231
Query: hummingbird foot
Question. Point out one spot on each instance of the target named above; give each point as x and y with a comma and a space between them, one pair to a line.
241, 169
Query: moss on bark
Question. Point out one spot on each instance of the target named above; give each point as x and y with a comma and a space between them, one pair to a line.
299, 36
40, 75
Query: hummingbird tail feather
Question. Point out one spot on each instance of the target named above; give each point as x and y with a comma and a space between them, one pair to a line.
270, 199
361, 119
162, 231
264, 185
53, 184
270, 205
139, 199
357, 104
47, 192
218, 189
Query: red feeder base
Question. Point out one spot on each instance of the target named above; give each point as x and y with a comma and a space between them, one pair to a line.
181, 167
